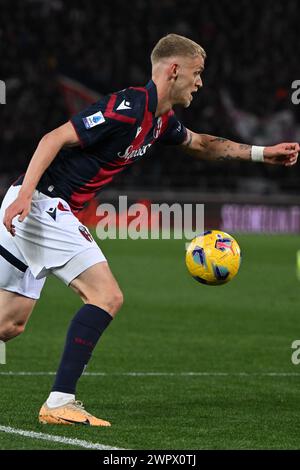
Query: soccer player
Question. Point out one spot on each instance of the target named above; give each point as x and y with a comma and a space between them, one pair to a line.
40, 233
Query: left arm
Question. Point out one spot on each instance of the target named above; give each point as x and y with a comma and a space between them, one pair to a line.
217, 148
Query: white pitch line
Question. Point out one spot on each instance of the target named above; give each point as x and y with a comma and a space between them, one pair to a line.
162, 374
53, 438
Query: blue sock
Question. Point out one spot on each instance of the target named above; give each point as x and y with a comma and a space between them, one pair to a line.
84, 332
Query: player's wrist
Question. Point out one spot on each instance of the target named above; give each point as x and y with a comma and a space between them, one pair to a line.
26, 194
257, 153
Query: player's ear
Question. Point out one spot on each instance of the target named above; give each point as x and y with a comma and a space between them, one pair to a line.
173, 71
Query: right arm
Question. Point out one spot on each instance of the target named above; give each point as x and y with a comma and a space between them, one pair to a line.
45, 153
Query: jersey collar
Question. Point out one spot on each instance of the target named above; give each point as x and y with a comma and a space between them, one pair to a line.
152, 93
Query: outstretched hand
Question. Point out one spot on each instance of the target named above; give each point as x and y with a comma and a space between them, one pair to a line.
21, 206
282, 154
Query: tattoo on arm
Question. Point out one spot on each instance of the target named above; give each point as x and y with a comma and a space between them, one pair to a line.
244, 146
230, 150
217, 148
218, 139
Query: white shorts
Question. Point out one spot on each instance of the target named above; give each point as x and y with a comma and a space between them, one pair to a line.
50, 240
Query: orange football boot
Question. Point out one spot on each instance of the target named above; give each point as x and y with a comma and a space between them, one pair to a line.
71, 414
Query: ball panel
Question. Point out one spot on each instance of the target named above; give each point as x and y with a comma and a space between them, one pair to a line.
213, 258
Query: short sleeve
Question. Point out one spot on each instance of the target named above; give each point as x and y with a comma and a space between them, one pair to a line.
175, 132
95, 123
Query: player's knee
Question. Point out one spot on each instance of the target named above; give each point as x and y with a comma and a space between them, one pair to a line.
10, 330
111, 302
117, 301
114, 302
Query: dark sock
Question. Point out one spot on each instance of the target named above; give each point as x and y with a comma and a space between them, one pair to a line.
84, 332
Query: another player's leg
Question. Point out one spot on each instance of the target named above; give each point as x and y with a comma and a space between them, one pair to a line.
15, 310
19, 290
102, 299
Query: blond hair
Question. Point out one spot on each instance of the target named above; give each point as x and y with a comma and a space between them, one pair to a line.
175, 45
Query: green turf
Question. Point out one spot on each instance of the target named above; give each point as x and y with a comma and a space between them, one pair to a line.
170, 323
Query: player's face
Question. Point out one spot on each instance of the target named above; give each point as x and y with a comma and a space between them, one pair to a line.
188, 80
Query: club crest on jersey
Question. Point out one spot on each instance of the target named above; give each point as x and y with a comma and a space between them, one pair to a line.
85, 233
93, 120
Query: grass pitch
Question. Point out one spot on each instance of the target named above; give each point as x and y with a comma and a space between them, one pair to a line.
235, 335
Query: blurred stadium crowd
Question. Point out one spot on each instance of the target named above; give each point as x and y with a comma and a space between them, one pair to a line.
253, 54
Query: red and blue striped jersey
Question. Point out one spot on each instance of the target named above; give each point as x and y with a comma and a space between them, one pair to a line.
114, 132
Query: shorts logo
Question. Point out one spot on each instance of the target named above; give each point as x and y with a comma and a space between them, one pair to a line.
93, 120
52, 213
85, 233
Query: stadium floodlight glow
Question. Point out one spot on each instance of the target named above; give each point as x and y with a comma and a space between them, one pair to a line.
2, 92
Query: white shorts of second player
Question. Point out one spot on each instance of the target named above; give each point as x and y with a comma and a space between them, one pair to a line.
50, 240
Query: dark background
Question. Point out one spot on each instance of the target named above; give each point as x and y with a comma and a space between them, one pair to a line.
253, 57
